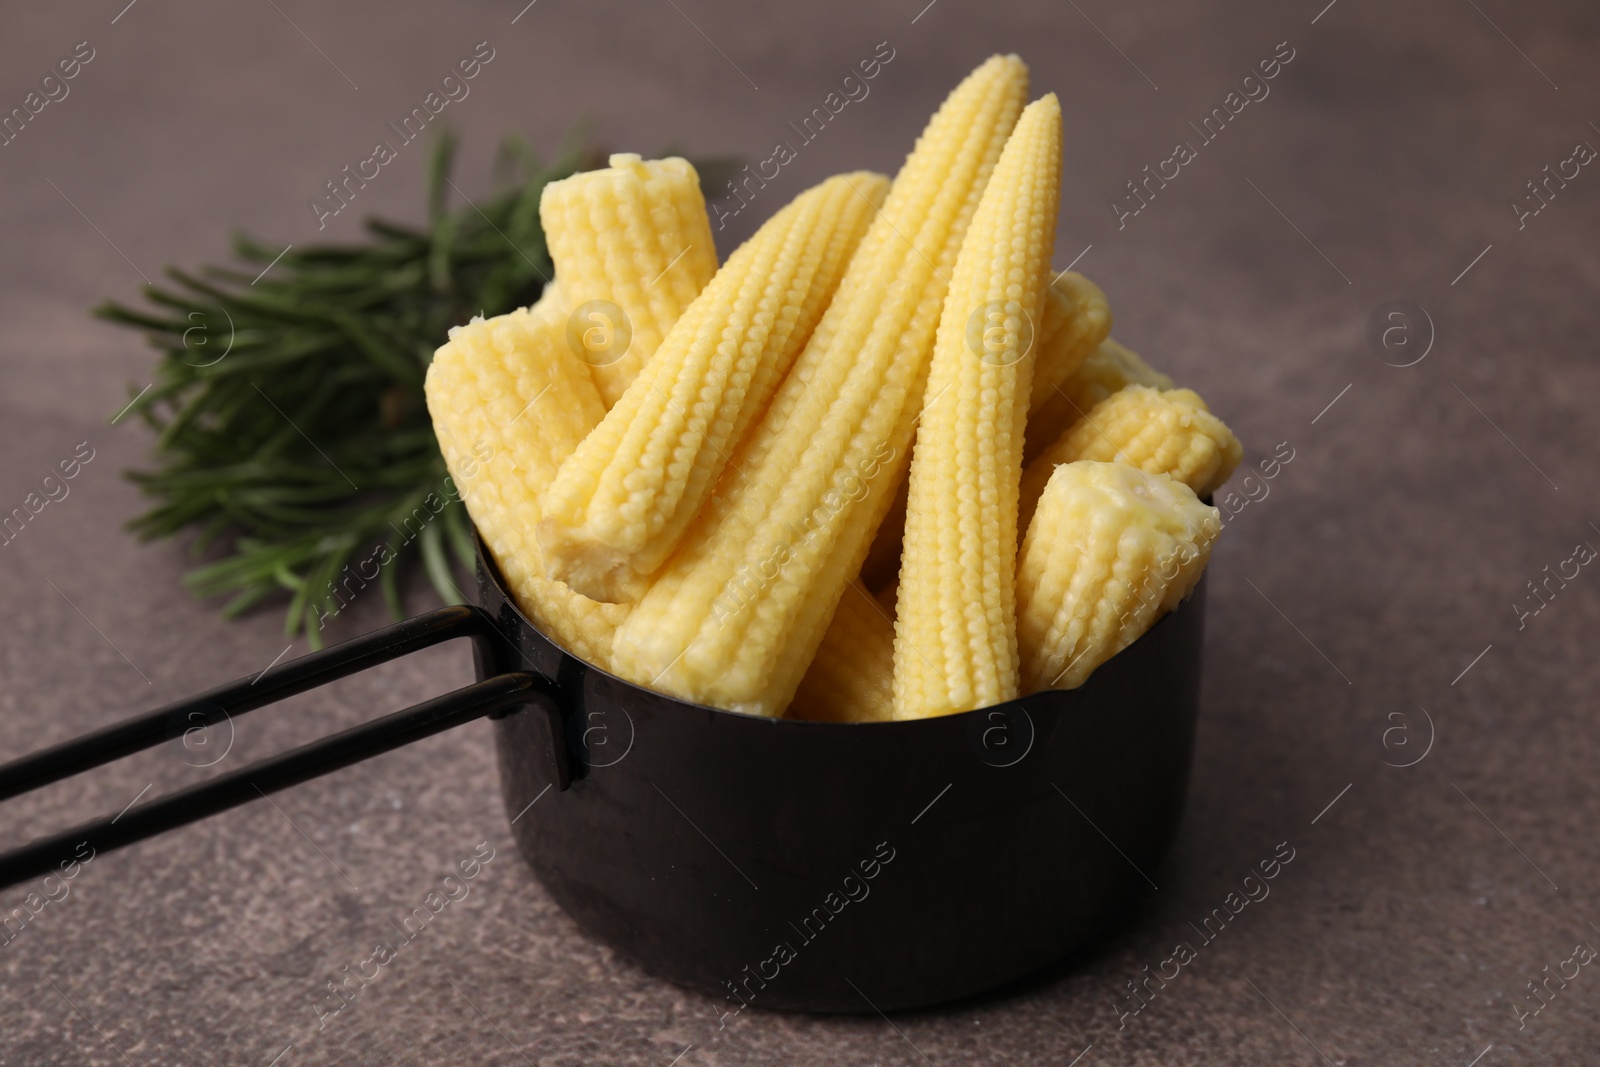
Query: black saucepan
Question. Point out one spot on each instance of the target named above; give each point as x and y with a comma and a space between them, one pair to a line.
776, 863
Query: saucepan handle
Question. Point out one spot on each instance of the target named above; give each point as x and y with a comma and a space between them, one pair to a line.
493, 695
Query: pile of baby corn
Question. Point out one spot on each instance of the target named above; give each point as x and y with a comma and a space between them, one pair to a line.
883, 463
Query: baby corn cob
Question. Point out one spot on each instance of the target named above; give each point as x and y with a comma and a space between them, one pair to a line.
634, 236
955, 644
623, 500
509, 402
735, 616
1076, 320
851, 678
1108, 368
1160, 432
1110, 550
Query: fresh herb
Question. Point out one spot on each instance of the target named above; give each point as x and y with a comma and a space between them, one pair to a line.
292, 435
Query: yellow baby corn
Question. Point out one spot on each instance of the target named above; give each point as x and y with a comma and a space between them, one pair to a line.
1110, 550
623, 500
851, 678
955, 644
633, 236
1159, 431
1076, 320
735, 616
509, 402
1107, 369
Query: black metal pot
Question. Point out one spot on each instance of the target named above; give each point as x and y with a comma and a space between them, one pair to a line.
780, 864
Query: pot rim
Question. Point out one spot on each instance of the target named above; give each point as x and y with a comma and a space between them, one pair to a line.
491, 571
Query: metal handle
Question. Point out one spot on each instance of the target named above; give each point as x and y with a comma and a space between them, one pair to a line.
493, 695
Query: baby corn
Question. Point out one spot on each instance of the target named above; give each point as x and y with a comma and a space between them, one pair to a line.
1076, 320
1110, 367
509, 402
633, 236
622, 501
1110, 550
851, 678
955, 645
1159, 431
735, 617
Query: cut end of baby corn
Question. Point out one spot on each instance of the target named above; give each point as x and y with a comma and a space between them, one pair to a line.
509, 402
1159, 431
1110, 367
1076, 320
632, 247
734, 618
955, 625
851, 678
623, 500
1110, 550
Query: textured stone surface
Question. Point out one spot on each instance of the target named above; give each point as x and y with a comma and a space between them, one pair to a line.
1386, 557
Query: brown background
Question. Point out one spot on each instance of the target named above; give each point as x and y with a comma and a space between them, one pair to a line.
1396, 541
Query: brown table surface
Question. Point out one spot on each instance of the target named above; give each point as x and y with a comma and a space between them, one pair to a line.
1377, 579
